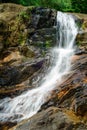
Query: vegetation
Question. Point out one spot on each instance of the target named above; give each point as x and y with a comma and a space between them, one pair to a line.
63, 5
79, 5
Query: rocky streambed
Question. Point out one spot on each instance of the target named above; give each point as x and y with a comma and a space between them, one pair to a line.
26, 36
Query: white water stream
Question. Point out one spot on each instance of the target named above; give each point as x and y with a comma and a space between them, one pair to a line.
27, 104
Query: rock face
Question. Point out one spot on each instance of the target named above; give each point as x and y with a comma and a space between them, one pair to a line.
54, 119
72, 93
26, 23
26, 33
25, 39
82, 36
9, 35
67, 106
43, 34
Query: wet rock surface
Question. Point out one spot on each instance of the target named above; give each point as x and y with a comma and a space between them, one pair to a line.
67, 106
15, 79
54, 119
72, 93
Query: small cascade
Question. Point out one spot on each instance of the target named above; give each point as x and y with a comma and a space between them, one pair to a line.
28, 104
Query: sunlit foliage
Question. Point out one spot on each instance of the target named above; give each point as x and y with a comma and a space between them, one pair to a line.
63, 5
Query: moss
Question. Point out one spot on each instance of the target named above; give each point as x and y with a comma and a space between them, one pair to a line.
24, 15
78, 43
18, 34
43, 45
48, 44
14, 32
84, 25
21, 39
81, 44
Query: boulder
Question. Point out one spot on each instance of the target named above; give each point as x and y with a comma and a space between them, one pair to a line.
54, 119
71, 94
26, 33
81, 39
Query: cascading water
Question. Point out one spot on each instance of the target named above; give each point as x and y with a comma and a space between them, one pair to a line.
27, 104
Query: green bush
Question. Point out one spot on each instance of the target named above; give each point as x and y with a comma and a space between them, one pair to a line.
79, 6
63, 5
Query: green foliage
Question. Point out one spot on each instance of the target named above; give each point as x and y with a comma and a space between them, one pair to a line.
79, 6
24, 15
63, 5
48, 44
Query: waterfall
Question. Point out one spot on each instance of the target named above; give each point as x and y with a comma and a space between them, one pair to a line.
27, 104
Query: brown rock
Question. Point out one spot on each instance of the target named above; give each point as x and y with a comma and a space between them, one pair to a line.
54, 119
15, 79
72, 94
82, 35
18, 26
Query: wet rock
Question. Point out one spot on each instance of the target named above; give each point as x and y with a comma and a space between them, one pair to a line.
82, 39
7, 125
1, 46
42, 24
26, 51
78, 94
13, 77
80, 102
80, 51
72, 94
43, 38
54, 119
43, 18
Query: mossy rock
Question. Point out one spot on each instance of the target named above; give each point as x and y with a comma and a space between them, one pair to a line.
81, 39
12, 24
